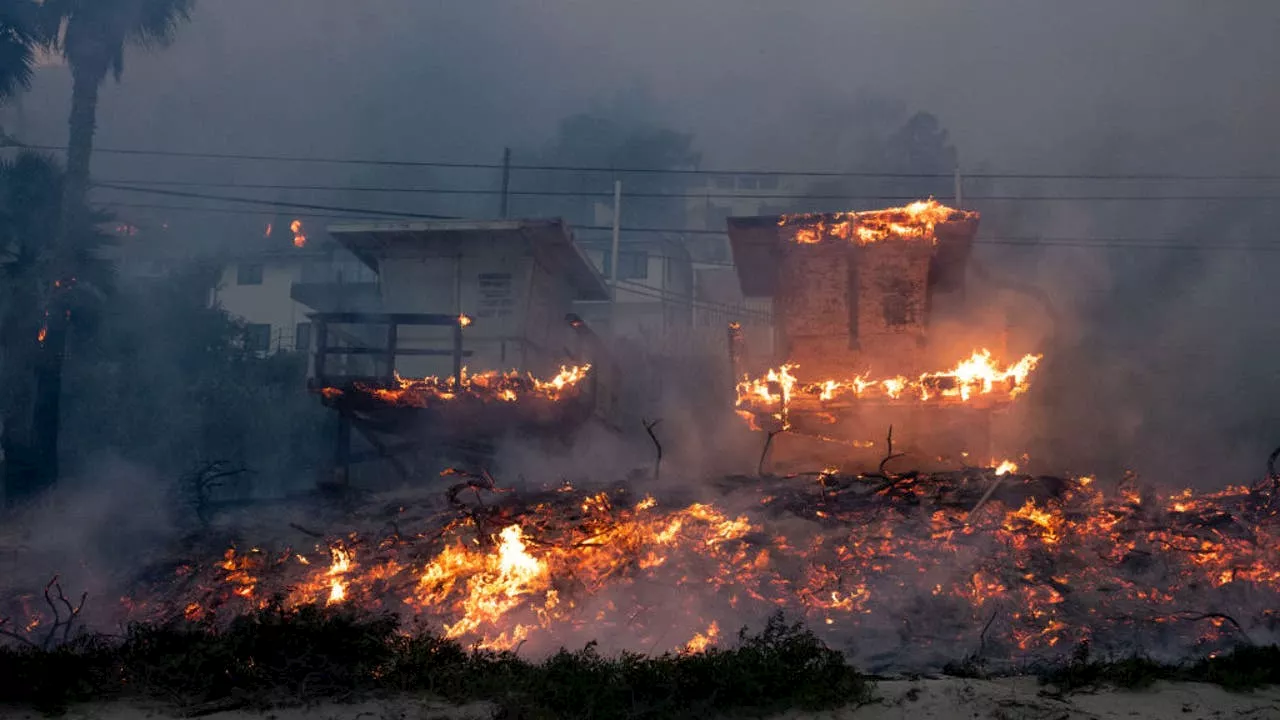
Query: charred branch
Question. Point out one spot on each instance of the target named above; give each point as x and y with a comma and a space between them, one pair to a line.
657, 463
764, 454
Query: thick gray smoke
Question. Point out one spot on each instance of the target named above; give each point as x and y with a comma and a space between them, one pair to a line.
1160, 357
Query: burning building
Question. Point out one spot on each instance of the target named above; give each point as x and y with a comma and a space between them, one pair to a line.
859, 343
475, 339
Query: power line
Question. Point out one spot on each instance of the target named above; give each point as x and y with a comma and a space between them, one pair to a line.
692, 195
1026, 241
682, 299
665, 171
277, 204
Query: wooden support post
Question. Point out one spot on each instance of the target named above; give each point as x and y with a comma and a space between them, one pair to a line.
735, 350
457, 354
392, 342
342, 451
322, 348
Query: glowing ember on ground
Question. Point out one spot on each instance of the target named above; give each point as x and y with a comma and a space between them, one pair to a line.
506, 387
898, 573
916, 221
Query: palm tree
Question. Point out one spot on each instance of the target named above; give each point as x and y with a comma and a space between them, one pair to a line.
92, 35
18, 43
30, 201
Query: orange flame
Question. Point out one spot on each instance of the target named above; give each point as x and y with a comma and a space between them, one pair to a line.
974, 377
491, 385
299, 238
916, 221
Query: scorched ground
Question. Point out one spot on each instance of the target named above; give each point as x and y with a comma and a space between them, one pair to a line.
901, 571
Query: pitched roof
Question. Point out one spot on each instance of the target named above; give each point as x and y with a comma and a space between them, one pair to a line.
550, 241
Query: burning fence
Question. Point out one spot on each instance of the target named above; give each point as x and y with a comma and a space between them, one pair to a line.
490, 386
902, 571
976, 379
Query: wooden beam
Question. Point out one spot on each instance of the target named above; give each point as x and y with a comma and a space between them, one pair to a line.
357, 318
402, 352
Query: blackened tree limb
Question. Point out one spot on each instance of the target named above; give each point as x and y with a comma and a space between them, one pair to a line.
648, 427
889, 478
764, 454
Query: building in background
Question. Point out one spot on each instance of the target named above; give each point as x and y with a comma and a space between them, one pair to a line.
272, 291
720, 197
652, 305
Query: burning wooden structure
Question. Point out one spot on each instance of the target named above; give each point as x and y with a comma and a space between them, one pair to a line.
480, 342
855, 299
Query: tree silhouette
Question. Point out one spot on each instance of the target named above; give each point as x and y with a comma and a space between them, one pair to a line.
30, 200
92, 35
18, 43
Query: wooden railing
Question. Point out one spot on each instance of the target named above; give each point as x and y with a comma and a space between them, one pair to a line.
388, 351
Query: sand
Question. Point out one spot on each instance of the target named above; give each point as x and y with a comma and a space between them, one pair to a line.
935, 699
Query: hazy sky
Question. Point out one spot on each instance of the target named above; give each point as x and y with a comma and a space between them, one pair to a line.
1014, 81
1088, 85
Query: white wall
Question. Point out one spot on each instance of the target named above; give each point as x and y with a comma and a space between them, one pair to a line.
268, 303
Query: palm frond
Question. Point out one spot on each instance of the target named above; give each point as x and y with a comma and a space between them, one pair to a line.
157, 21
18, 41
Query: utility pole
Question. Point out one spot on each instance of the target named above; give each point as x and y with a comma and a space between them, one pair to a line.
617, 231
506, 181
613, 258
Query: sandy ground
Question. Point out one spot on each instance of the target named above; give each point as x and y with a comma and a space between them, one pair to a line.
942, 699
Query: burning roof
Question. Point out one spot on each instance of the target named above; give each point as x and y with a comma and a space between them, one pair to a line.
917, 221
759, 243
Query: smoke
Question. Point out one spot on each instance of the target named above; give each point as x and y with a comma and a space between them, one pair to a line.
93, 533
1157, 359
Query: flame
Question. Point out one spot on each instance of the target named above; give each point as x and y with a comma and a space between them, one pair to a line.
702, 641
267, 234
508, 387
299, 237
916, 221
978, 376
464, 320
343, 560
1005, 467
563, 566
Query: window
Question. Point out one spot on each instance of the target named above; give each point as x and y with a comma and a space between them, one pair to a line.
495, 295
896, 304
302, 337
769, 182
257, 338
249, 274
724, 182
633, 265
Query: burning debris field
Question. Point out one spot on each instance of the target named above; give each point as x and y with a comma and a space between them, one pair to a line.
902, 572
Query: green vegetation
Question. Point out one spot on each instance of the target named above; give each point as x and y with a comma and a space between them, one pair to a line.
1245, 668
280, 656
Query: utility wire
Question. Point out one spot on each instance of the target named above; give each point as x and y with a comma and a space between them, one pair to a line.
682, 299
1138, 243
666, 171
276, 204
692, 195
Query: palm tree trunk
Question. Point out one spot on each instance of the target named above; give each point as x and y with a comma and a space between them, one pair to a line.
17, 391
87, 79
